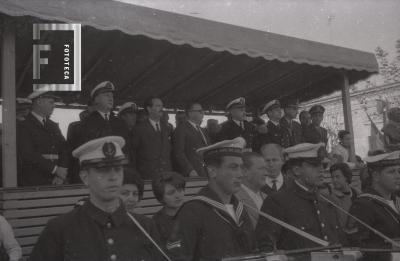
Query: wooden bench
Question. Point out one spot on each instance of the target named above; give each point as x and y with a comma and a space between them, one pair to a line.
29, 209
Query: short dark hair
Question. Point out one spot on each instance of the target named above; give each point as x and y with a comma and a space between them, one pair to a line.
149, 102
345, 169
342, 134
248, 159
167, 177
274, 145
132, 177
190, 105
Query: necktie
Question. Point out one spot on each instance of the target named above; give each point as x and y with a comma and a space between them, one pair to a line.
202, 135
44, 121
242, 125
274, 187
157, 127
106, 116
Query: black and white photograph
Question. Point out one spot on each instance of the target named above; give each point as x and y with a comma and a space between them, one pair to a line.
200, 130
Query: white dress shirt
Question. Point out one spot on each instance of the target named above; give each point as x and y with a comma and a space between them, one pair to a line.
154, 124
279, 181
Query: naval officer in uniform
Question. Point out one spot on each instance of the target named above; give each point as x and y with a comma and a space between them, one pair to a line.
101, 228
237, 125
300, 205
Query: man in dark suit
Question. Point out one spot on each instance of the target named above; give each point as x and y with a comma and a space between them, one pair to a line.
275, 132
188, 137
102, 121
314, 133
291, 109
151, 144
42, 150
273, 156
237, 125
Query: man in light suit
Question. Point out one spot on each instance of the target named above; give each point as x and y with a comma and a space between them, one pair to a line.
187, 138
254, 175
151, 144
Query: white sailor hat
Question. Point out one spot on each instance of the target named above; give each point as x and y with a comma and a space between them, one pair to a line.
384, 160
42, 94
102, 87
307, 151
270, 106
101, 152
224, 148
236, 103
127, 107
23, 103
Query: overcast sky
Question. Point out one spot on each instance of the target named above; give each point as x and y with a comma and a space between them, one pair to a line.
358, 24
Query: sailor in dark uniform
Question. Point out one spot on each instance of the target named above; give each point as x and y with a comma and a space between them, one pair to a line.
276, 132
291, 109
42, 151
100, 229
300, 205
237, 125
102, 121
377, 205
314, 133
214, 224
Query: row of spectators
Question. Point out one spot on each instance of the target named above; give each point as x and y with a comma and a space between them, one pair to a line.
152, 144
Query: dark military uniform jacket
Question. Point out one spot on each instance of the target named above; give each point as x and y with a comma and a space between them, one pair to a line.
372, 209
313, 134
88, 233
276, 134
205, 232
230, 130
95, 126
302, 209
40, 149
73, 134
294, 129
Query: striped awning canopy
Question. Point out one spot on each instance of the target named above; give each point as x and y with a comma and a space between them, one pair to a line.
147, 52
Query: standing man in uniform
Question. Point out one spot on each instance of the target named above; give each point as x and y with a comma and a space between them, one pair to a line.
291, 109
42, 150
214, 224
151, 142
237, 125
314, 133
377, 205
300, 205
276, 133
188, 137
100, 229
102, 121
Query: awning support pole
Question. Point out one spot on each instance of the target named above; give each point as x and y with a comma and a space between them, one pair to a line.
348, 120
9, 140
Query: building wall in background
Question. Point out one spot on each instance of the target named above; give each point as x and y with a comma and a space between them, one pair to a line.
362, 103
